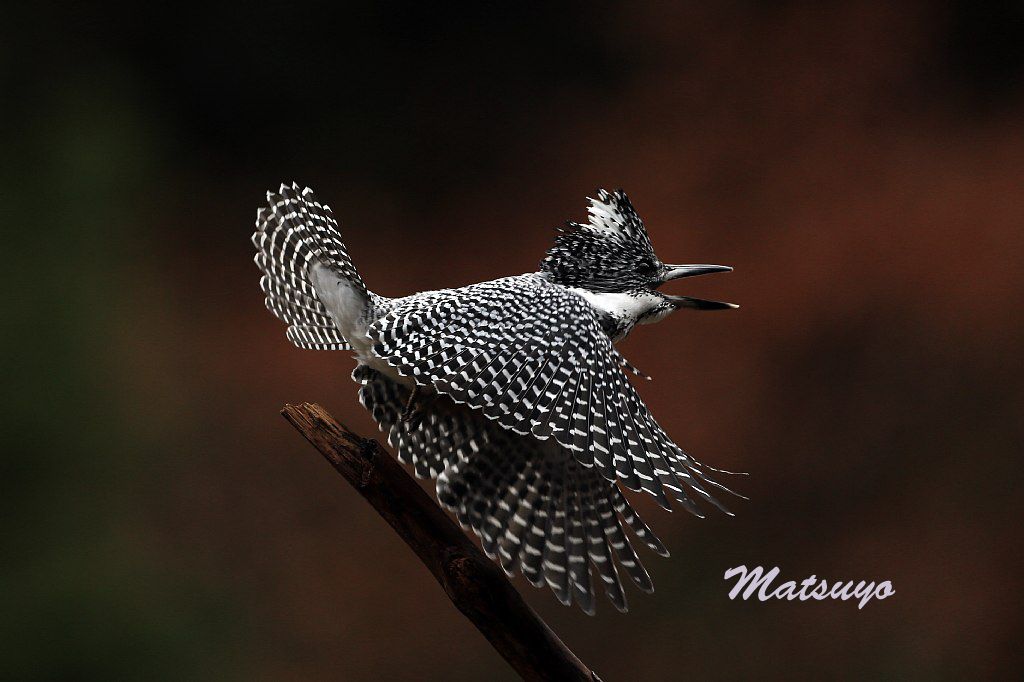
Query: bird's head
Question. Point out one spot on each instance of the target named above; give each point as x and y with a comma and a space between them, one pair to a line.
612, 252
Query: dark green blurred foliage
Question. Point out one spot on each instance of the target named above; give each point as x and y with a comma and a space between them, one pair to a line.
87, 593
860, 165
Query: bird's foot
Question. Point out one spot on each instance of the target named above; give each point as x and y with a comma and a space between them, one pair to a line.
412, 415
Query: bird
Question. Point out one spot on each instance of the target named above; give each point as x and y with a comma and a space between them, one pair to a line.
509, 394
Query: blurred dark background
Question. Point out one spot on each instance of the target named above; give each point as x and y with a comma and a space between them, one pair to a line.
860, 164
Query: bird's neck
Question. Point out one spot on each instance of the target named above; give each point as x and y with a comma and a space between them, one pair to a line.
619, 311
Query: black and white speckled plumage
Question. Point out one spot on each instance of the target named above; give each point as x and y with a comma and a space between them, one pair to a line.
522, 411
611, 252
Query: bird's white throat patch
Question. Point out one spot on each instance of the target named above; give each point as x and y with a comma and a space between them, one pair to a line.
627, 307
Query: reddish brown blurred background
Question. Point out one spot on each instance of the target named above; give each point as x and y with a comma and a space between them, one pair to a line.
859, 164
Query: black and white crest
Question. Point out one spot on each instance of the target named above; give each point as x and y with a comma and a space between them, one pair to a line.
611, 252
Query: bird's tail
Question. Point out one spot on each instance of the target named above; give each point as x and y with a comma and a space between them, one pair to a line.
294, 233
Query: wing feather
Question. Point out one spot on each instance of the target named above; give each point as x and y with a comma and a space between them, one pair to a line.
533, 356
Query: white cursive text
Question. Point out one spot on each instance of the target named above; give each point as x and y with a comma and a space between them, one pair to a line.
811, 588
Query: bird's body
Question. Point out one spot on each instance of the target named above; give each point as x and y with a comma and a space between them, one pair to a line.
509, 393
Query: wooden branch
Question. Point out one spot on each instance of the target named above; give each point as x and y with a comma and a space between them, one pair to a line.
474, 583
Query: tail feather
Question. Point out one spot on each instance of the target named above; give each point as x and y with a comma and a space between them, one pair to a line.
293, 233
314, 337
291, 305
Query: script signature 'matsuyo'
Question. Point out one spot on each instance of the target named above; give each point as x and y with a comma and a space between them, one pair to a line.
788, 590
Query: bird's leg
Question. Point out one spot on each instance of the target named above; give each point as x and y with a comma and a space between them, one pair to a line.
409, 404
416, 408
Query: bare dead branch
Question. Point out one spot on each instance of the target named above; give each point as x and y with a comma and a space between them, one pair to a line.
474, 583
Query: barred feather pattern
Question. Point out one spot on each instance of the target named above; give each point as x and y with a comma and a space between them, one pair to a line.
294, 231
524, 414
536, 509
533, 357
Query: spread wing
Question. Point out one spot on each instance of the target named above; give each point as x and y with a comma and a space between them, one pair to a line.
535, 508
532, 356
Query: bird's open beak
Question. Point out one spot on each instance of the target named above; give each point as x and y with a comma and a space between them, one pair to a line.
676, 271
